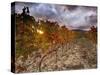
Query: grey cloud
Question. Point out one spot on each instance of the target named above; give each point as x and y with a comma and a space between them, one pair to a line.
73, 17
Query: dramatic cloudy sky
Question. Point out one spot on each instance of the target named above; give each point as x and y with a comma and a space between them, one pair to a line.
73, 17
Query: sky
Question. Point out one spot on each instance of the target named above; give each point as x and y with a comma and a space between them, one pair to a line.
72, 16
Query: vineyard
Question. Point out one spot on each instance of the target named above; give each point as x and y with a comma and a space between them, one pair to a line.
47, 46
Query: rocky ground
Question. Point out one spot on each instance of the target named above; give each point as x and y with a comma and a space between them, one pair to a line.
78, 54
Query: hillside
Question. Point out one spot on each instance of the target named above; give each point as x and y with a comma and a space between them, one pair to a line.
47, 46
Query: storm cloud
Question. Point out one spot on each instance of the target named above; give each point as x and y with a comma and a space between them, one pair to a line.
73, 17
